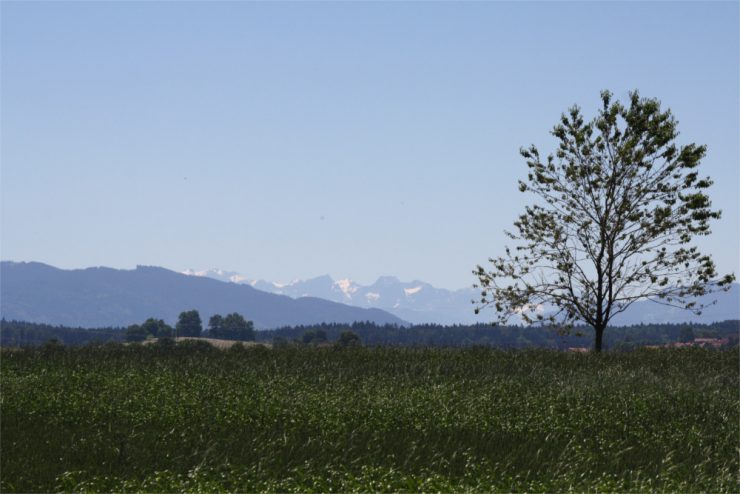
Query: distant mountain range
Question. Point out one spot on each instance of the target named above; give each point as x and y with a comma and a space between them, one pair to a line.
99, 297
414, 301
419, 302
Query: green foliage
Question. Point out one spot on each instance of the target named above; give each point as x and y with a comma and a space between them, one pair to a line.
189, 324
348, 338
20, 334
136, 333
314, 337
617, 207
178, 418
687, 334
151, 328
231, 327
510, 336
157, 328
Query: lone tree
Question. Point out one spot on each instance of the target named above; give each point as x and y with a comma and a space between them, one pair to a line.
617, 208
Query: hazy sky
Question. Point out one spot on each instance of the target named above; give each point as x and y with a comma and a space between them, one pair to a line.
290, 140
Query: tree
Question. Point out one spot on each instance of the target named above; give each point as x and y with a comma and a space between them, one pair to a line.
618, 206
231, 327
189, 324
239, 328
157, 328
215, 325
348, 338
686, 335
151, 328
136, 333
314, 337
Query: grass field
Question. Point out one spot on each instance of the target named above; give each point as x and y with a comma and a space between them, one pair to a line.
194, 418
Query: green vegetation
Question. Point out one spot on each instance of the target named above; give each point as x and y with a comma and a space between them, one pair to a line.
314, 337
151, 328
189, 324
348, 338
231, 327
20, 334
187, 417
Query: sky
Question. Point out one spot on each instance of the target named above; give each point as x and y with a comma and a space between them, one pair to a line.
291, 140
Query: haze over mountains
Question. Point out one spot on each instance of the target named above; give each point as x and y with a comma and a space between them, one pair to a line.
419, 302
98, 297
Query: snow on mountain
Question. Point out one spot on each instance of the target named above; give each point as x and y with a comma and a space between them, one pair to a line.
421, 303
347, 287
221, 275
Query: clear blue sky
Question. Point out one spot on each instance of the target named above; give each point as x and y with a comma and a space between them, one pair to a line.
290, 140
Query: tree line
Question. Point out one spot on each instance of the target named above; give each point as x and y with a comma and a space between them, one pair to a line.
18, 333
230, 327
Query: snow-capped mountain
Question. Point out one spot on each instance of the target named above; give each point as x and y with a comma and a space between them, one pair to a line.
220, 275
419, 302
415, 301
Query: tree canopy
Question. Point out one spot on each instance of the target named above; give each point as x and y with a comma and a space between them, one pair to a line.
231, 327
617, 207
151, 328
189, 324
314, 337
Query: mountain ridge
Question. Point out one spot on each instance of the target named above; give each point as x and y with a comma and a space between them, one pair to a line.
102, 296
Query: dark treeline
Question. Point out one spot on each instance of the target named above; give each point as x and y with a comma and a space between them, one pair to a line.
510, 336
17, 334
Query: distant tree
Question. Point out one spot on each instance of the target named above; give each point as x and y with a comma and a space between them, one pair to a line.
280, 342
136, 333
215, 325
189, 324
687, 334
617, 208
314, 336
231, 327
348, 338
53, 345
238, 327
157, 328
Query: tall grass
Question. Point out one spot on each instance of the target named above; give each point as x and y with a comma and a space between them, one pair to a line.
190, 417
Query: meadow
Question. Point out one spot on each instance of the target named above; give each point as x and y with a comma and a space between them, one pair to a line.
189, 417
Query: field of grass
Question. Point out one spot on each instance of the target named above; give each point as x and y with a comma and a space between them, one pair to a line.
193, 418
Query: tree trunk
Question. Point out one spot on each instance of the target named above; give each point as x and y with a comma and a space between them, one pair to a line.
599, 337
